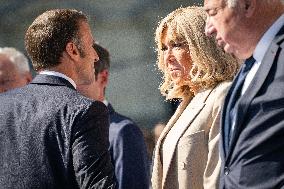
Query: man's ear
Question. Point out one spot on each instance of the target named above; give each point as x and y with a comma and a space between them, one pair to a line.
250, 7
104, 76
72, 51
28, 77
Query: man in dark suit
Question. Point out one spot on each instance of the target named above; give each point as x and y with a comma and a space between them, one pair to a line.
127, 145
50, 135
253, 115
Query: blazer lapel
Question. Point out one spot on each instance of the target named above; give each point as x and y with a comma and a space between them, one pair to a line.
43, 79
157, 162
183, 119
254, 87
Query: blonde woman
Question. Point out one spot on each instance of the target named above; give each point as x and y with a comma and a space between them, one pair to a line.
198, 72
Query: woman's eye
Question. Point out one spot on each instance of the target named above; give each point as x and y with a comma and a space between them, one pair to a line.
177, 44
164, 48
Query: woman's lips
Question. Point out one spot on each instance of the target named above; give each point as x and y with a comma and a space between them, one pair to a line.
175, 72
174, 69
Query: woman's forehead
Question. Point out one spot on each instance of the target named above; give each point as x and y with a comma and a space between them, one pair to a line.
172, 34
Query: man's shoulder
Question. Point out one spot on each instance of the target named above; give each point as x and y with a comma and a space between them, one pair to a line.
120, 121
122, 125
47, 97
123, 130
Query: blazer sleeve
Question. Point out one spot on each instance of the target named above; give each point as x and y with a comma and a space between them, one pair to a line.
130, 158
91, 159
213, 164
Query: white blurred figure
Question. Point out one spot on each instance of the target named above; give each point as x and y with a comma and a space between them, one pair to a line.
14, 69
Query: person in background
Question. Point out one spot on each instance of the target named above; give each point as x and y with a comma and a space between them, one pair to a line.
197, 71
149, 141
127, 145
253, 116
157, 130
14, 69
51, 136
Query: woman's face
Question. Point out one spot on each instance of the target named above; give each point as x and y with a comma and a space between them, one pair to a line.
176, 58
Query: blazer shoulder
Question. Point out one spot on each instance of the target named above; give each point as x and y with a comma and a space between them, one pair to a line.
221, 90
219, 93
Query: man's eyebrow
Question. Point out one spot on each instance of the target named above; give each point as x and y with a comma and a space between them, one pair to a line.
207, 9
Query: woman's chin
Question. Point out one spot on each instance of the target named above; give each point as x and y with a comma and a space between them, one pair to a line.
178, 81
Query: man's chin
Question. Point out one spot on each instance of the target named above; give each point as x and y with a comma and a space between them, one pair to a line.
228, 49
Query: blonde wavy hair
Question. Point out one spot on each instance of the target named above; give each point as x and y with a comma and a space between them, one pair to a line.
210, 64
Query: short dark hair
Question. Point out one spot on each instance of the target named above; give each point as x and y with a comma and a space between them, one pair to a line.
48, 35
104, 59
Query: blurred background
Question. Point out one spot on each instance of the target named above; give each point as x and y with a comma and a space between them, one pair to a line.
126, 28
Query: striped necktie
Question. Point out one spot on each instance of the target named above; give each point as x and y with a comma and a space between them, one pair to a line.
233, 101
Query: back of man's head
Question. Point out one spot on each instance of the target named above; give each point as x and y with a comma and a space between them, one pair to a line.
14, 69
47, 37
104, 61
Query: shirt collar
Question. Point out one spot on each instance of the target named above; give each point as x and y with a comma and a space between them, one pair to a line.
48, 72
105, 102
267, 38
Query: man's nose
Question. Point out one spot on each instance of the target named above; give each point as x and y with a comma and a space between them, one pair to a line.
209, 28
96, 56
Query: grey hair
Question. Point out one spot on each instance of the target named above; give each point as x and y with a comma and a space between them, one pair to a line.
232, 3
17, 58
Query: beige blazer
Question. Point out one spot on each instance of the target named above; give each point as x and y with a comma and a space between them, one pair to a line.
192, 161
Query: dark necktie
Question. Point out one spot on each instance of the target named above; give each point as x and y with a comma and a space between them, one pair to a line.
233, 101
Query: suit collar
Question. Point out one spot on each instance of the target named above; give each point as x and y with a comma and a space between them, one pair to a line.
280, 36
110, 108
267, 38
43, 79
58, 74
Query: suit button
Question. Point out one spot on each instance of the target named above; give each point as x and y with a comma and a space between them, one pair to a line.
226, 170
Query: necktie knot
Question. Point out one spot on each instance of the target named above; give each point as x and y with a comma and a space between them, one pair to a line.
249, 63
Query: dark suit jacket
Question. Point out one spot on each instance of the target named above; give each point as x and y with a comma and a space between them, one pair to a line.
128, 151
255, 158
52, 137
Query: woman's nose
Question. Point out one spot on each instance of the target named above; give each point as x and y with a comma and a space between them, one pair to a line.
169, 56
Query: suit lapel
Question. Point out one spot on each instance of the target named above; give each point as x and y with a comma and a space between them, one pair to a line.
255, 86
183, 119
224, 121
43, 79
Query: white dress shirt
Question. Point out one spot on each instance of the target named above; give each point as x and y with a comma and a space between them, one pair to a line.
261, 49
47, 72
